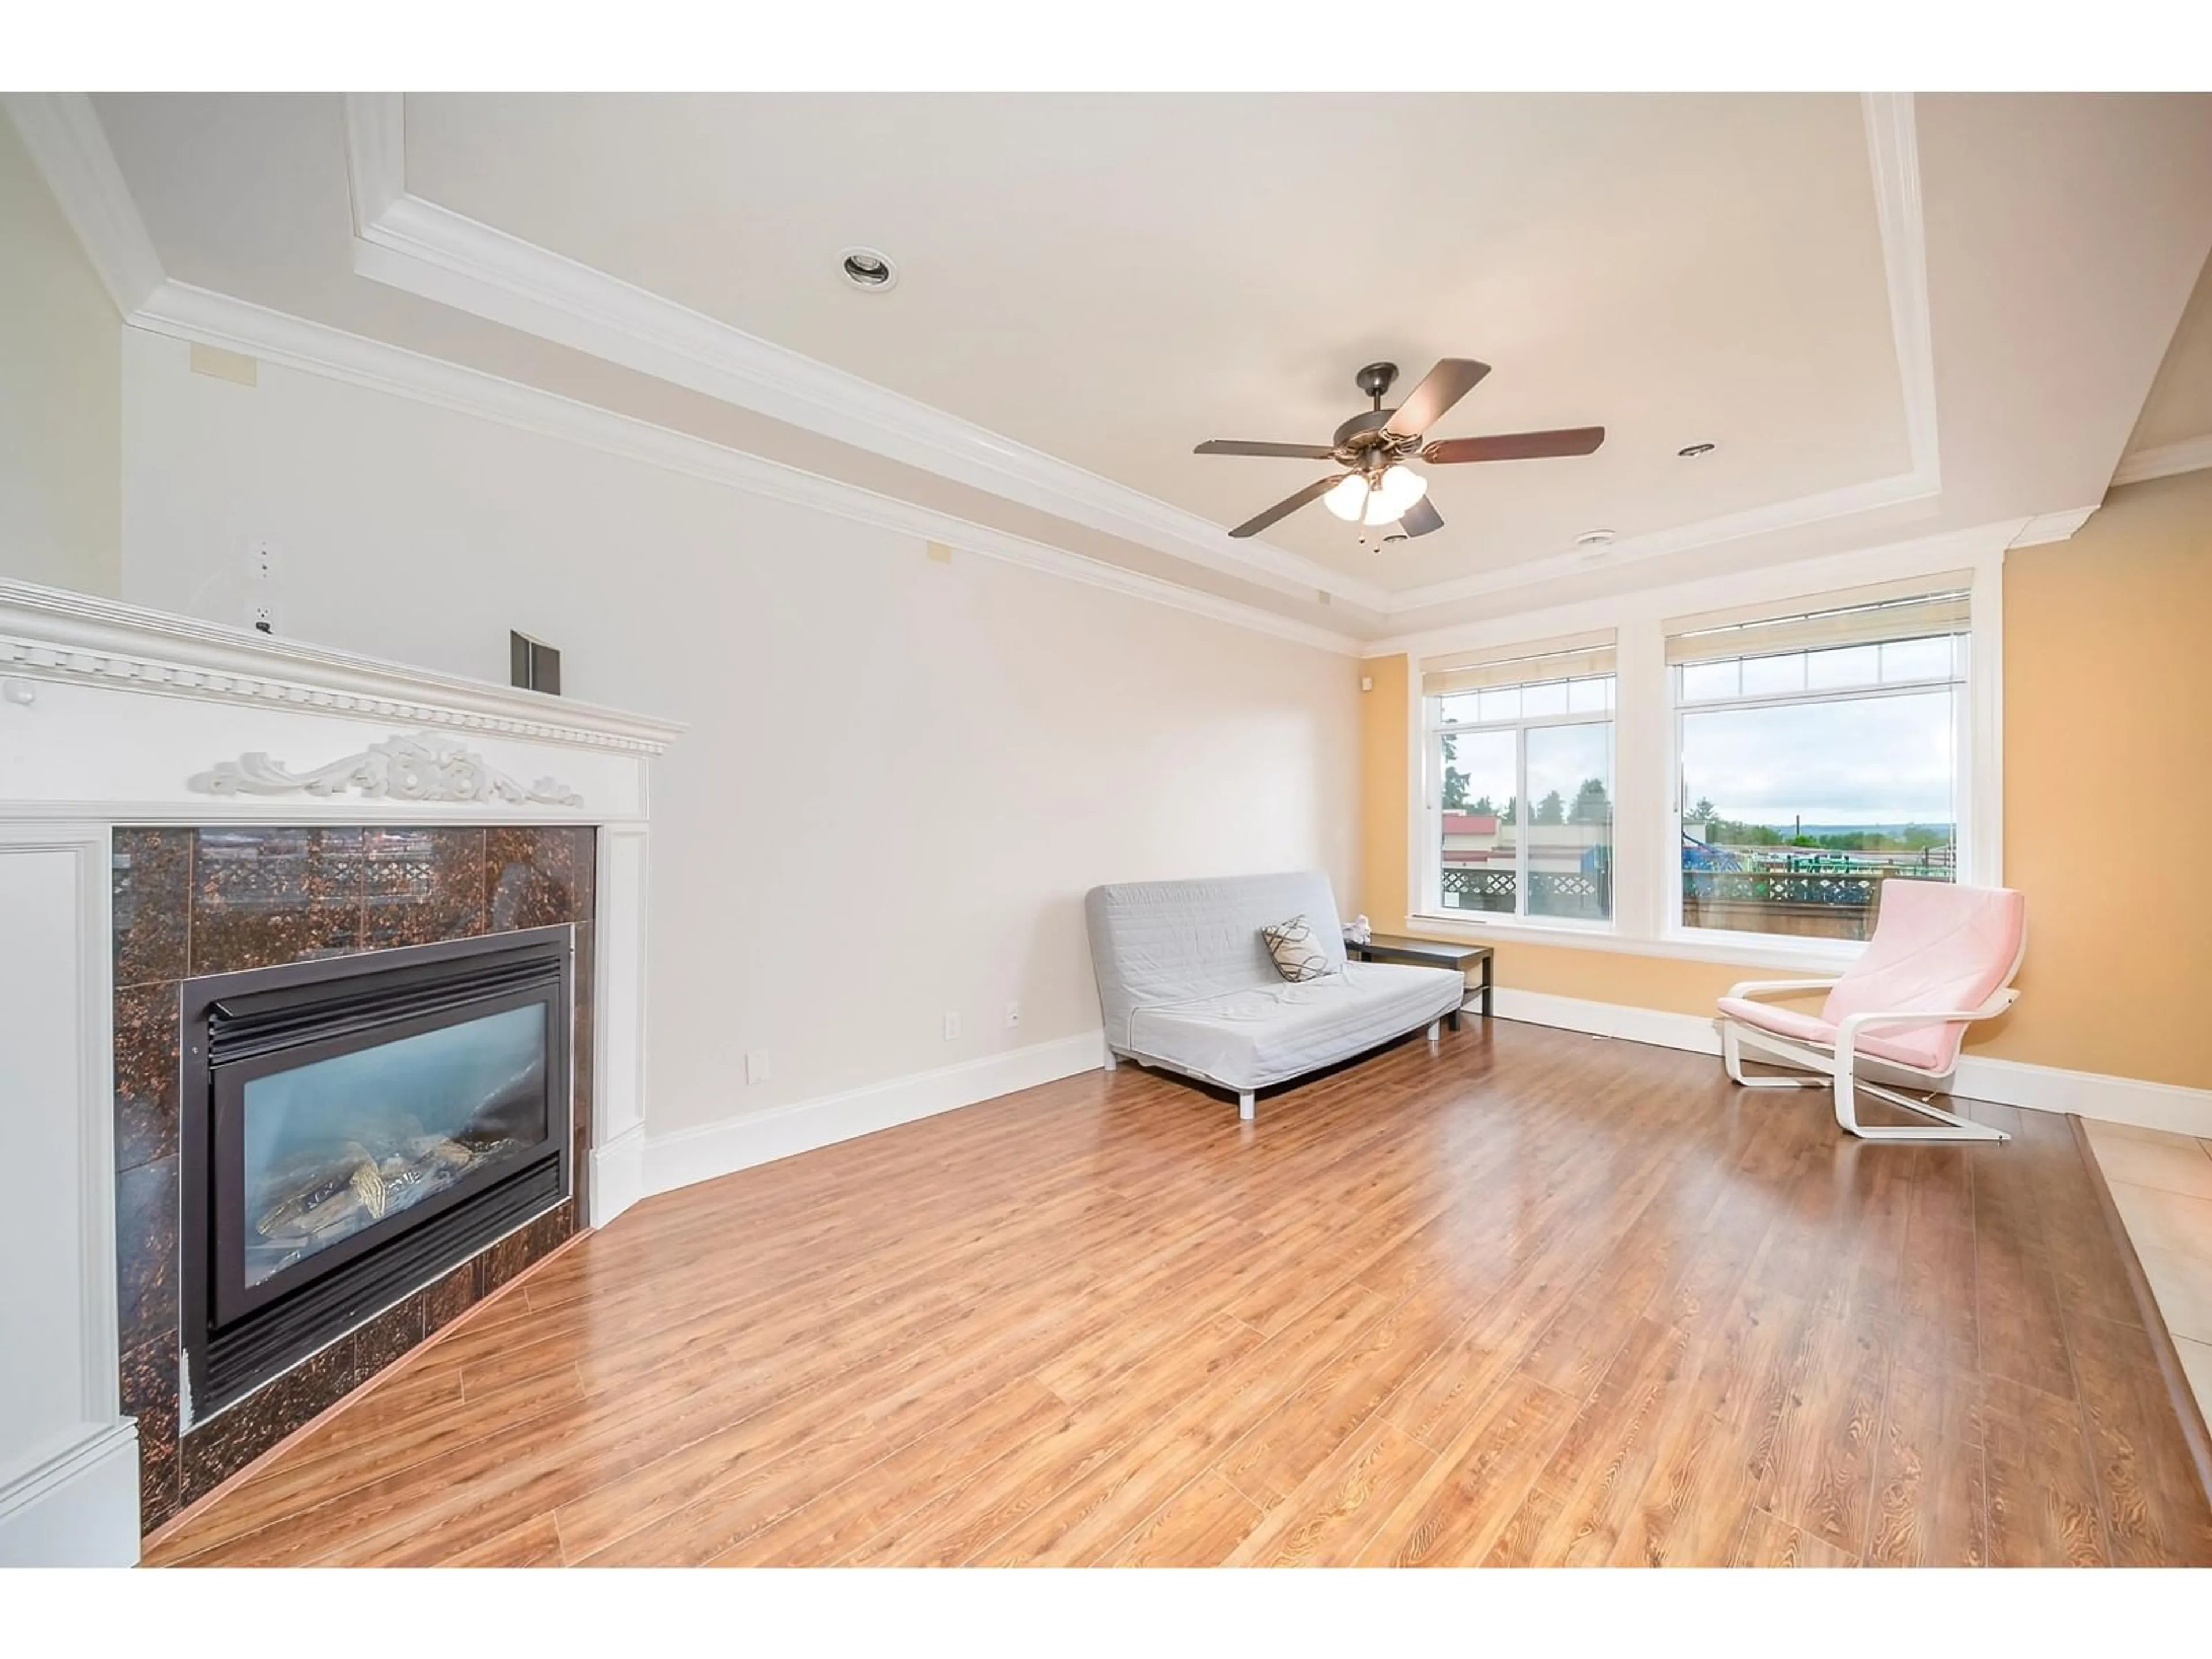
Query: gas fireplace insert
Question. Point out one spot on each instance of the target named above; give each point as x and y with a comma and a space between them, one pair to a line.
355, 1127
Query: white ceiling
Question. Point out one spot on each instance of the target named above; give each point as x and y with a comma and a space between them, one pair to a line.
1113, 279
2180, 408
1109, 279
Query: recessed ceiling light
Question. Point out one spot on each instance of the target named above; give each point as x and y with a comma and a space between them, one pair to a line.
1594, 538
870, 269
1691, 451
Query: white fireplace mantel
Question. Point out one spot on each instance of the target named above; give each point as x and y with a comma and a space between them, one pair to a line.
112, 714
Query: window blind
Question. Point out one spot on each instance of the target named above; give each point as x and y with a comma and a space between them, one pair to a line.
1924, 608
1572, 657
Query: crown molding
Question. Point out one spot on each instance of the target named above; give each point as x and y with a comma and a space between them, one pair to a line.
47, 633
2191, 455
376, 153
185, 312
413, 243
431, 251
67, 144
445, 256
1980, 547
1893, 155
2052, 526
1805, 510
1893, 149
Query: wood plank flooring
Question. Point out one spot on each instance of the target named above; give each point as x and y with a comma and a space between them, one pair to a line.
1523, 1297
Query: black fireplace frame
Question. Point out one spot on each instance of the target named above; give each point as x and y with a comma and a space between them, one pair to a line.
239, 1025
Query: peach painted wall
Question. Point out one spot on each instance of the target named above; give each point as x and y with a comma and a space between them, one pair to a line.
2108, 797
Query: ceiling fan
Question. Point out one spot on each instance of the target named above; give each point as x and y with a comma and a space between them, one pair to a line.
1379, 489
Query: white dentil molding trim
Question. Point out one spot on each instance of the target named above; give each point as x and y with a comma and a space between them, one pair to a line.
48, 634
185, 313
2191, 455
434, 252
71, 150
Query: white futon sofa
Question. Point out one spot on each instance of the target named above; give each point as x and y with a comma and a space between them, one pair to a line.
1187, 982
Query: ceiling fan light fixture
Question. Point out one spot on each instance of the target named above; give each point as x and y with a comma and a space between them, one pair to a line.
1349, 499
1396, 492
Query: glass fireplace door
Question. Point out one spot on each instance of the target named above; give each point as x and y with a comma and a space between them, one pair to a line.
333, 1147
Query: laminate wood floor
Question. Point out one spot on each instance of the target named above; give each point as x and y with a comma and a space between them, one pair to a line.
1524, 1296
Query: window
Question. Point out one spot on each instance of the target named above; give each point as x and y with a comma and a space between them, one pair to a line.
1820, 752
1520, 781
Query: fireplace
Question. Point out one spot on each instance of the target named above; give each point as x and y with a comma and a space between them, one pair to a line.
351, 1129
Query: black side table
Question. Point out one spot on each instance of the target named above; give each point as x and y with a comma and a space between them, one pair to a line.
1427, 953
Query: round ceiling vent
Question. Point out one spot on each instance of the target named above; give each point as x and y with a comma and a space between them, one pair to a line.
870, 269
1594, 538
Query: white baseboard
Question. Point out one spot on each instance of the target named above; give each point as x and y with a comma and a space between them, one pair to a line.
618, 1175
77, 1508
1611, 1019
686, 1156
2087, 1094
2006, 1082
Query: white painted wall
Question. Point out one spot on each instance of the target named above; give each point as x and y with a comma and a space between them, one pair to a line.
60, 393
901, 776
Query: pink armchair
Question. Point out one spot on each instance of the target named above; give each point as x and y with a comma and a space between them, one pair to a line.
1941, 957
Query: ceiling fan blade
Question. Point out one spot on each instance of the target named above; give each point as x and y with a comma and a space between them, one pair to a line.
1238, 446
1517, 446
1284, 508
1421, 518
1451, 380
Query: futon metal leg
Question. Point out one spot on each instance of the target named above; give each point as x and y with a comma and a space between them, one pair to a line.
1435, 1029
1112, 1059
1244, 1105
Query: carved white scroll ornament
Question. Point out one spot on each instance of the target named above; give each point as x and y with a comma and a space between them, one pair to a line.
423, 767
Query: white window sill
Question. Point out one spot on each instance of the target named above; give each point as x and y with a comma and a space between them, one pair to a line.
1734, 949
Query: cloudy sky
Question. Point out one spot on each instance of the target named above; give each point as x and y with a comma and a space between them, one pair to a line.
1885, 760
1880, 760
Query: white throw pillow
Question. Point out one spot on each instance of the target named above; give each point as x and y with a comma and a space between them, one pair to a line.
1297, 958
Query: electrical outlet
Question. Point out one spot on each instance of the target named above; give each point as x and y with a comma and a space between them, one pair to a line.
1013, 1015
953, 1027
263, 560
265, 616
757, 1066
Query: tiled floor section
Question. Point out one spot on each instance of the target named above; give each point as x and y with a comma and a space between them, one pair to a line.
2162, 1184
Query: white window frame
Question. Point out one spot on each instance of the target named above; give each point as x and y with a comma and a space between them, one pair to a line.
1647, 769
1434, 729
1960, 684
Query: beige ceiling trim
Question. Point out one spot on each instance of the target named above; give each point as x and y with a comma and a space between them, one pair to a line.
71, 150
428, 250
66, 142
1893, 154
2051, 526
2191, 455
415, 244
185, 313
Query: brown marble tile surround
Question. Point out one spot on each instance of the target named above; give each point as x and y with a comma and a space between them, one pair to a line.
220, 898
